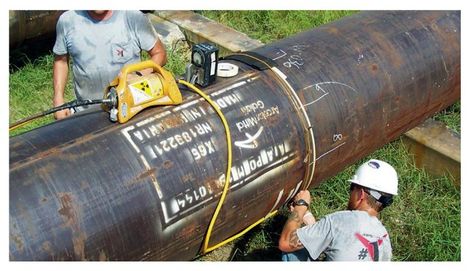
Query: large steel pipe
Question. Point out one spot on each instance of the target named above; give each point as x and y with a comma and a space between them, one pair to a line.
88, 189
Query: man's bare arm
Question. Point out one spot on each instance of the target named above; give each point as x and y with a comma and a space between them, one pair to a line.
60, 73
294, 242
289, 241
158, 53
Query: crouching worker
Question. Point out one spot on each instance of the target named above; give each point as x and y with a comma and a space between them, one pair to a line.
352, 235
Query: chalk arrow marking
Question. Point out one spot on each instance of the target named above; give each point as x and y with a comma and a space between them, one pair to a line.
250, 142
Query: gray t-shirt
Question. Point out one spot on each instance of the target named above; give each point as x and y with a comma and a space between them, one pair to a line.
347, 236
99, 49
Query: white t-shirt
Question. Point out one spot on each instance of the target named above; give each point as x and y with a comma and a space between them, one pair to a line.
347, 236
99, 49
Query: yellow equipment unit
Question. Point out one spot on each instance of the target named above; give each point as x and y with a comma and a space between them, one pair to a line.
134, 89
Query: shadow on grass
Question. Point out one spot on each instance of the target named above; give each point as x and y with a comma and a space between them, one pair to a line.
270, 252
30, 51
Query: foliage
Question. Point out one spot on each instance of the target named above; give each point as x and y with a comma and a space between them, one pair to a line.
269, 25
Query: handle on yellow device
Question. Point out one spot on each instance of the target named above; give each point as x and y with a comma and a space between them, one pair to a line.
127, 104
135, 67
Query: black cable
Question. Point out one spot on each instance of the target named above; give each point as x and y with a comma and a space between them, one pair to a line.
71, 104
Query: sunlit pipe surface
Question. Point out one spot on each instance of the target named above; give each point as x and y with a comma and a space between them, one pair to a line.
88, 189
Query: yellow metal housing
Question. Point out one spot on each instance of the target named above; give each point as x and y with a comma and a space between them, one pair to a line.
138, 89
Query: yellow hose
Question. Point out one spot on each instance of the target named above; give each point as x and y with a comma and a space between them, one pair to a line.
14, 127
25, 121
208, 234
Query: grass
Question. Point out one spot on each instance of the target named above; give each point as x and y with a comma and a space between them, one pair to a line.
31, 85
450, 117
424, 220
268, 26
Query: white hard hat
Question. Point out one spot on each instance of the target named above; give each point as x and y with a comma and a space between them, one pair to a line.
377, 175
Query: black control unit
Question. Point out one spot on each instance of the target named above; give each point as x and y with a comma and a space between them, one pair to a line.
205, 59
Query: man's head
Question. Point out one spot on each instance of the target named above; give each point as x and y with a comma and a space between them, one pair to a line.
373, 185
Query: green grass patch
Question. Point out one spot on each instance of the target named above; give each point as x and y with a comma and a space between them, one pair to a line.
451, 117
31, 91
271, 25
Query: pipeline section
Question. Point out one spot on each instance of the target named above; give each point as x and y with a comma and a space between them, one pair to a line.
84, 188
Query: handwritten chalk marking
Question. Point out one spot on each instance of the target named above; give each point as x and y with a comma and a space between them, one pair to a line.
250, 142
319, 88
320, 156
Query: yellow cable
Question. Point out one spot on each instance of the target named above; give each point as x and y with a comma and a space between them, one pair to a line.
229, 158
208, 234
19, 125
242, 232
25, 121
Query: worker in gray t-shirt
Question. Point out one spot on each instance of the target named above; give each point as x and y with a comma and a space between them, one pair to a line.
100, 43
352, 235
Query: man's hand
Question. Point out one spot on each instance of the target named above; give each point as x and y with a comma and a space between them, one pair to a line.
303, 194
308, 218
62, 114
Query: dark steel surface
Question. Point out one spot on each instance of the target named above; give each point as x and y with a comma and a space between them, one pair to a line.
87, 189
371, 77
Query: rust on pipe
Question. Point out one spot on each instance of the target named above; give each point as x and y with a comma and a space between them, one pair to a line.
87, 189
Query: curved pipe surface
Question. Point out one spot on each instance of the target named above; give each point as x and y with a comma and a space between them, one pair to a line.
87, 189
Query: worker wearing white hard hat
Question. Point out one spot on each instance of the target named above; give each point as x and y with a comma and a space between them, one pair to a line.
356, 234
379, 179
